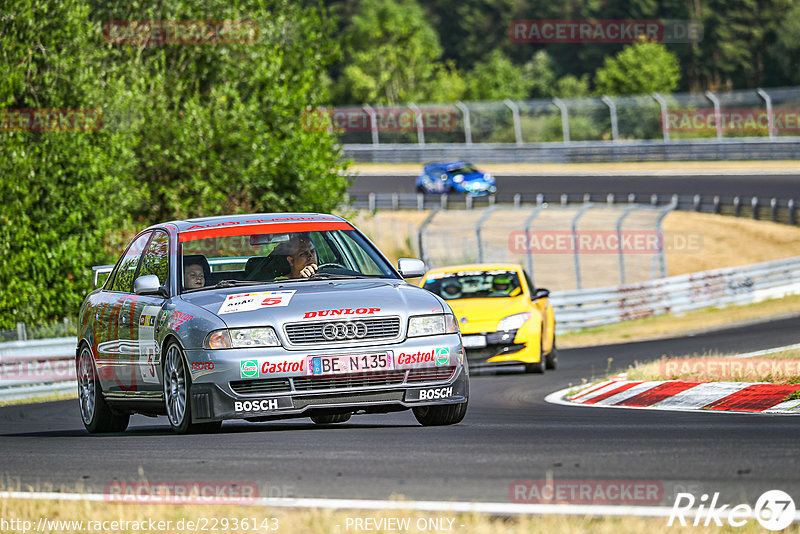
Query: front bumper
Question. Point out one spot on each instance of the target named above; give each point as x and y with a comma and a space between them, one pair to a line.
502, 349
224, 394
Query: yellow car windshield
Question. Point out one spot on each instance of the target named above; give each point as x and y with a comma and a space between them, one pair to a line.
474, 284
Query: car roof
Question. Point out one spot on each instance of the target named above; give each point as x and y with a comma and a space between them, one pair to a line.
447, 166
476, 267
183, 225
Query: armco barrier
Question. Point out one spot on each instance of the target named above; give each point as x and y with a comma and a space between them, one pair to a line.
586, 308
580, 151
37, 367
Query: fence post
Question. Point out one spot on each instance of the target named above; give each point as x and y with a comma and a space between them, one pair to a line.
575, 247
467, 126
528, 223
716, 204
373, 123
22, 333
478, 232
420, 201
564, 118
717, 113
371, 200
422, 254
737, 206
610, 199
664, 110
517, 200
395, 201
564, 200
791, 211
770, 116
620, 249
631, 198
654, 199
443, 201
773, 208
418, 119
612, 109
754, 203
515, 114
539, 199
696, 202
662, 253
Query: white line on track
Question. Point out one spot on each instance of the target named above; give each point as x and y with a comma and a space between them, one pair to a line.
493, 508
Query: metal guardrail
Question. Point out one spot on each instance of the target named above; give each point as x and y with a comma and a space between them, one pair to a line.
759, 208
581, 151
37, 367
577, 309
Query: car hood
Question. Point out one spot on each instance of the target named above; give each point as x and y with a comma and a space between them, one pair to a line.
315, 300
472, 176
482, 315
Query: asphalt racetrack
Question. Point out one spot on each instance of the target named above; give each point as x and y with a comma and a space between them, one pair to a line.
510, 433
764, 186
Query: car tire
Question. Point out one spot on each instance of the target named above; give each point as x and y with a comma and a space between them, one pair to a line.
538, 367
329, 419
551, 359
446, 414
177, 392
96, 414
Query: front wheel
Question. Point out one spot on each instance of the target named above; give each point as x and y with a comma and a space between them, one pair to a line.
177, 388
96, 414
551, 360
446, 414
538, 367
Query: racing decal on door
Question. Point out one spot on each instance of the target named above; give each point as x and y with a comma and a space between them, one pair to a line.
253, 301
148, 346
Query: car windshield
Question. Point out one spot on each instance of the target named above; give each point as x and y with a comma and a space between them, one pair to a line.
466, 169
250, 259
474, 284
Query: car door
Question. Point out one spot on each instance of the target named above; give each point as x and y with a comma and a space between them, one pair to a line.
146, 311
113, 337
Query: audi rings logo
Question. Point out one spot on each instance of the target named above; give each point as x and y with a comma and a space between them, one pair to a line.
348, 330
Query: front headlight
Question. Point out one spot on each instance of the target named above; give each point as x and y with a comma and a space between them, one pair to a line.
242, 337
513, 322
432, 325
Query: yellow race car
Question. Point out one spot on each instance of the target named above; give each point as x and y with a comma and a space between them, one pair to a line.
504, 320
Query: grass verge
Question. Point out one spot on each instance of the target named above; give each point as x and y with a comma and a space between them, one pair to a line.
669, 325
100, 517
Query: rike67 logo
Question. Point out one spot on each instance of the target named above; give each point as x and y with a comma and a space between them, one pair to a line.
774, 510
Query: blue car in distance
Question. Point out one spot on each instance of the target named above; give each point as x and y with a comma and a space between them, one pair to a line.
456, 177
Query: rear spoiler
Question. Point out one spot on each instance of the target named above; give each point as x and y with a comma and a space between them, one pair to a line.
97, 270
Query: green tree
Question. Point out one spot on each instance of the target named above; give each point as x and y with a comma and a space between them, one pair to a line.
641, 68
390, 54
188, 130
497, 78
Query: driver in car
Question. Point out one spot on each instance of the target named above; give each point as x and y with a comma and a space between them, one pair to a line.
301, 255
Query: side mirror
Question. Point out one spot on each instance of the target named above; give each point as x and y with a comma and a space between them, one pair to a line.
540, 293
410, 268
148, 285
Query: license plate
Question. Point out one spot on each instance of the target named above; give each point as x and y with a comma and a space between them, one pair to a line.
357, 363
473, 342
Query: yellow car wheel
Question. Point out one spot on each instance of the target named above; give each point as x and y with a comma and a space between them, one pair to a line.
538, 367
551, 359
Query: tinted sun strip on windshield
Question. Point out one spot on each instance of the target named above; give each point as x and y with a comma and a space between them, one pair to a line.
274, 228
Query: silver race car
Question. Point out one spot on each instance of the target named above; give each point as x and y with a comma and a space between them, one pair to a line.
263, 317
